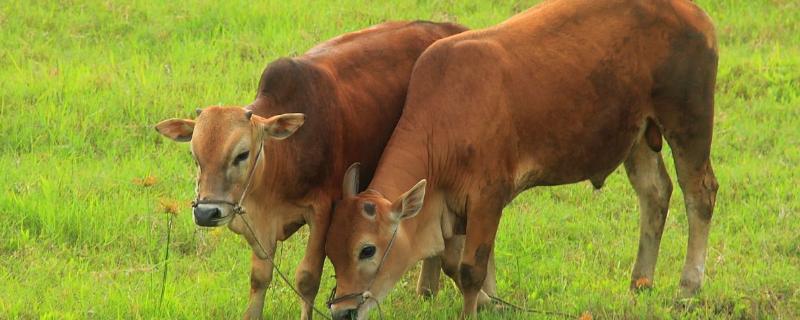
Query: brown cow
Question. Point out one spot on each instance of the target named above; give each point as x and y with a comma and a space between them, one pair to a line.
347, 94
561, 93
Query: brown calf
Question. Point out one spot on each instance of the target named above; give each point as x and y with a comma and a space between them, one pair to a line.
564, 92
347, 94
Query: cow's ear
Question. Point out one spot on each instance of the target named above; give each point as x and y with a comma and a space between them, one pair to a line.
410, 203
176, 129
281, 126
350, 181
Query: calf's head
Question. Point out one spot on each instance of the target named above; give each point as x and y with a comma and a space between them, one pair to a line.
225, 144
365, 257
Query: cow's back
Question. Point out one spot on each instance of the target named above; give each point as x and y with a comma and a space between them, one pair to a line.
565, 86
352, 89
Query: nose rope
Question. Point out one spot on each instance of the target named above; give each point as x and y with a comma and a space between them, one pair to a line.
365, 296
238, 209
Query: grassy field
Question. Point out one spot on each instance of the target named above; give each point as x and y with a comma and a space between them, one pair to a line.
86, 183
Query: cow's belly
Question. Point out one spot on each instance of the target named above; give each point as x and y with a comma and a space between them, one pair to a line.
579, 148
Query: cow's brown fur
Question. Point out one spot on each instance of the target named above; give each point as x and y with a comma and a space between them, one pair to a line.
564, 92
351, 89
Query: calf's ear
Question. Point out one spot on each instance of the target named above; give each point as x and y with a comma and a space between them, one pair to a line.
176, 129
281, 126
350, 181
410, 203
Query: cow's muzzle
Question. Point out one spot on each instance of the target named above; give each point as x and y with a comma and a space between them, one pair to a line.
211, 215
345, 314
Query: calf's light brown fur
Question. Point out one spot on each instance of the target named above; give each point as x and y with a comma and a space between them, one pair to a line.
335, 105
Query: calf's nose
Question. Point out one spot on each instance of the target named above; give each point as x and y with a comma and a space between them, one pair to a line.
206, 216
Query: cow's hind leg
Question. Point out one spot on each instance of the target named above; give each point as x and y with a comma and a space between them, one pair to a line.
699, 185
260, 277
685, 108
683, 96
651, 182
688, 129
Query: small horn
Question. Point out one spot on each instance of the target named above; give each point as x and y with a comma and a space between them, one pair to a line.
199, 111
248, 114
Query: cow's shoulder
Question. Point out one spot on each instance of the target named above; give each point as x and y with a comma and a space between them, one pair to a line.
386, 32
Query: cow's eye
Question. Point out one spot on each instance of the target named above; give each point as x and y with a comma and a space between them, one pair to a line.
366, 252
241, 157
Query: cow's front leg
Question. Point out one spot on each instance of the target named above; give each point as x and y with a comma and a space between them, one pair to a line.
428, 282
261, 263
260, 278
451, 258
482, 223
309, 272
489, 288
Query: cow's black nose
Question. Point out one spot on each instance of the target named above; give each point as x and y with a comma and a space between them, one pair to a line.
345, 314
206, 216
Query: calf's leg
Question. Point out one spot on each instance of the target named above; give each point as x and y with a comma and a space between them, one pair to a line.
309, 272
260, 278
650, 180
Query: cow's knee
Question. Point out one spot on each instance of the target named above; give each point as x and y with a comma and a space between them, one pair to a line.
257, 283
471, 277
710, 186
260, 277
307, 283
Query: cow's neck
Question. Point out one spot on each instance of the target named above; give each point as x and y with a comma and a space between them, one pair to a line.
295, 167
290, 177
275, 213
403, 164
417, 238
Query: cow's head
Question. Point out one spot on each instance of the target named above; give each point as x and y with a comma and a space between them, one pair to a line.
359, 235
225, 142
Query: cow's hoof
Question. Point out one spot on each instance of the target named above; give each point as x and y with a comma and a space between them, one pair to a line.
690, 283
689, 289
641, 284
252, 316
426, 293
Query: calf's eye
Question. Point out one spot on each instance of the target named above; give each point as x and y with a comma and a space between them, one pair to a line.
366, 252
241, 157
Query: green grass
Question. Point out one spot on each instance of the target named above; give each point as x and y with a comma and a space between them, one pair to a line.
82, 83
